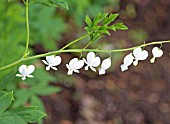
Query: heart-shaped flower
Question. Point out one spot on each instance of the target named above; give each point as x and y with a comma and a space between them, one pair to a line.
128, 60
156, 54
52, 61
74, 65
92, 61
25, 71
139, 54
106, 63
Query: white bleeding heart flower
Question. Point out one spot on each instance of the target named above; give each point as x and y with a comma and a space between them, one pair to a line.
74, 65
92, 61
156, 54
52, 61
25, 71
139, 54
106, 63
128, 60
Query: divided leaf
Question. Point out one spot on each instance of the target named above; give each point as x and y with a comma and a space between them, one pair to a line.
100, 25
21, 115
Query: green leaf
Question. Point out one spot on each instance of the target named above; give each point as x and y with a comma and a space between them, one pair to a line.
4, 81
99, 18
5, 119
110, 19
45, 2
36, 101
61, 3
88, 21
20, 99
28, 114
5, 101
120, 26
54, 3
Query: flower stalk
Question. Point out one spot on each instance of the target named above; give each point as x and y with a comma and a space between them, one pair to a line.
80, 51
27, 28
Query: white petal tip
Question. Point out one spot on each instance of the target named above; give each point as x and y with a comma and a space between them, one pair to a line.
152, 60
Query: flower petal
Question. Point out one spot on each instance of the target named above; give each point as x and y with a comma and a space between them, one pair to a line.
30, 76
23, 78
49, 58
73, 62
106, 63
87, 67
84, 60
68, 67
77, 71
143, 55
101, 71
56, 61
152, 60
135, 63
48, 68
92, 68
23, 69
128, 60
70, 72
95, 62
44, 62
19, 75
79, 64
137, 52
31, 69
54, 68
157, 52
90, 56
124, 67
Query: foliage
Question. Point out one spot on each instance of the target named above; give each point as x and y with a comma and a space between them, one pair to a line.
96, 31
46, 28
20, 115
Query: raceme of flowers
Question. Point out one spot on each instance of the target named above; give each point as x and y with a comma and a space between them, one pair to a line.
139, 54
51, 62
91, 62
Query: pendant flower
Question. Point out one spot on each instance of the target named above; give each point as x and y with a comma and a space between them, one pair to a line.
139, 54
128, 60
156, 54
106, 63
25, 71
52, 61
74, 65
92, 61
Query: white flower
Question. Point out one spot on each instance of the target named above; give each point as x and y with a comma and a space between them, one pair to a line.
25, 71
156, 54
74, 65
52, 61
106, 63
128, 60
92, 61
139, 54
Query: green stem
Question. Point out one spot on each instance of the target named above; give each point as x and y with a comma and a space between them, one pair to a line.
80, 50
27, 26
24, 2
73, 42
87, 45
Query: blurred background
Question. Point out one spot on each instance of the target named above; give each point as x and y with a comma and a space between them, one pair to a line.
140, 95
